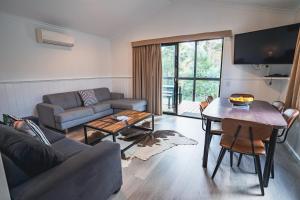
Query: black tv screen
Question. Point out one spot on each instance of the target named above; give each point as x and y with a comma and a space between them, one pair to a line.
270, 46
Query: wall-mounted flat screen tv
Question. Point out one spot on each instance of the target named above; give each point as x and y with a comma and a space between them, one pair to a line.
270, 46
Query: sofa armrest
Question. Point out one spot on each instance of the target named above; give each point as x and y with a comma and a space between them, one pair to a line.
46, 113
94, 173
115, 95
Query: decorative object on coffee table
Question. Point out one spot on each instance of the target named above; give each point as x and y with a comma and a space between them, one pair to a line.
113, 127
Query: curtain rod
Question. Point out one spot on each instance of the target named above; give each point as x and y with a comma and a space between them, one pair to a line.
184, 38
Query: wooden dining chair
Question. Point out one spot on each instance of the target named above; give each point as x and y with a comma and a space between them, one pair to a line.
216, 128
246, 138
290, 115
279, 105
209, 99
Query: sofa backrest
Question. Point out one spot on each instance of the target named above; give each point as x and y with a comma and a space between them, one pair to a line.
66, 100
102, 94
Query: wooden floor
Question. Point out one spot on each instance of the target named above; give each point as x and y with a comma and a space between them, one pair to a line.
178, 174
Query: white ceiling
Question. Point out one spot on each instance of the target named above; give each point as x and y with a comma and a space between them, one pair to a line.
280, 4
100, 17
106, 17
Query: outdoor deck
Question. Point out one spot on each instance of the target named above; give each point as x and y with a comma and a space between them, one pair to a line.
185, 108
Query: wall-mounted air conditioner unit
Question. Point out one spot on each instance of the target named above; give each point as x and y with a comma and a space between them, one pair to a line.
55, 38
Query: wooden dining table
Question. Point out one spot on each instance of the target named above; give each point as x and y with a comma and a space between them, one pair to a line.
258, 111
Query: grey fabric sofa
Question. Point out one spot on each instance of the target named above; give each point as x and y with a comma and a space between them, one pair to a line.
89, 172
65, 110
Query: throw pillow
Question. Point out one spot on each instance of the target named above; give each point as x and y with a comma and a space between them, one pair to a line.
88, 97
9, 119
30, 128
30, 155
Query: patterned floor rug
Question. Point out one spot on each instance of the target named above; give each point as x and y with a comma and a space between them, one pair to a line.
152, 144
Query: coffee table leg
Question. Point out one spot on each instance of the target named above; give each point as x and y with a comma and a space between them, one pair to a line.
85, 135
114, 137
152, 128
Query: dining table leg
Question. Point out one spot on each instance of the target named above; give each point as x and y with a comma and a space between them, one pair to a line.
270, 157
206, 143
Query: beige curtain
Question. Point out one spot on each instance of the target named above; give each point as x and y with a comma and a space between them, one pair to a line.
293, 94
147, 76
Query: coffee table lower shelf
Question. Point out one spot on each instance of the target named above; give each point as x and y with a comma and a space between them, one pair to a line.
115, 134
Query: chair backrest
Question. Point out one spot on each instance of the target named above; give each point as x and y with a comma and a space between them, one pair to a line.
279, 105
209, 99
290, 115
245, 129
202, 106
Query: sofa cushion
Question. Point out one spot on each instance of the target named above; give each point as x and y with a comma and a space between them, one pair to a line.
127, 104
68, 147
99, 107
102, 94
74, 113
14, 175
66, 100
88, 97
52, 135
30, 155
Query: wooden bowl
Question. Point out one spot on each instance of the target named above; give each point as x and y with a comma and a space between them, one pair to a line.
241, 99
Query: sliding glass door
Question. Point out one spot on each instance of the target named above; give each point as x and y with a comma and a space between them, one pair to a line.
191, 72
169, 74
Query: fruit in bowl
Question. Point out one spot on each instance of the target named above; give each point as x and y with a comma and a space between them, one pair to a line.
241, 99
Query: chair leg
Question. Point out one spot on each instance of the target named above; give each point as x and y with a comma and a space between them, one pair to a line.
272, 170
255, 167
240, 159
221, 156
258, 166
231, 158
210, 139
272, 167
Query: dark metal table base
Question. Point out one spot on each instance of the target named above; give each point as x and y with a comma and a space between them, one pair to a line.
114, 135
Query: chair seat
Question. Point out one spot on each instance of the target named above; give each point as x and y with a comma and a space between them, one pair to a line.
216, 128
243, 145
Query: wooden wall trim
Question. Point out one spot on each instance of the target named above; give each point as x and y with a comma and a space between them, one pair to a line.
184, 38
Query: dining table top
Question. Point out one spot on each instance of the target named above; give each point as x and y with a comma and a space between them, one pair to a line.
258, 111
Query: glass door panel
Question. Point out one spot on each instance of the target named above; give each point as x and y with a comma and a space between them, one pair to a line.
186, 59
209, 58
206, 88
168, 82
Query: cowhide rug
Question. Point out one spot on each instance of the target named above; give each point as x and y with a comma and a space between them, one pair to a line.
153, 144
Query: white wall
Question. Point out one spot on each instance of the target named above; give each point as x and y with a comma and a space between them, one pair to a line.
188, 17
29, 69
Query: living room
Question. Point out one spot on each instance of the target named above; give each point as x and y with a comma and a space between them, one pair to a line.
100, 50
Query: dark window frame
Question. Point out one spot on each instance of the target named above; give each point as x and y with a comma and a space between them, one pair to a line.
194, 78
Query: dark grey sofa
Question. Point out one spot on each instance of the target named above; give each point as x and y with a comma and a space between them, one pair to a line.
65, 110
89, 172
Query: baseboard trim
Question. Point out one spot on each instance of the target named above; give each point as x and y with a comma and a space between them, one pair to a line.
292, 151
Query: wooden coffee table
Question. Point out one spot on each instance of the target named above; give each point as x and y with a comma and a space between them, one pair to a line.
113, 127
